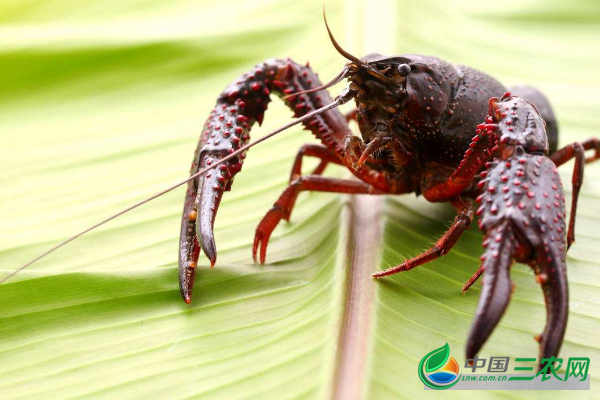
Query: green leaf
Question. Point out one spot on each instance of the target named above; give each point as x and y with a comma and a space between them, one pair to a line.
101, 105
437, 358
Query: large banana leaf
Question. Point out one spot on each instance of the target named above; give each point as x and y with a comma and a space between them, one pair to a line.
101, 105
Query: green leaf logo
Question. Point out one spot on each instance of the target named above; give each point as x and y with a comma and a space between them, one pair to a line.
433, 361
438, 358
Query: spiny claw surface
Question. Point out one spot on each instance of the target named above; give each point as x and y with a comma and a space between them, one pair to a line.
497, 288
224, 132
522, 214
241, 105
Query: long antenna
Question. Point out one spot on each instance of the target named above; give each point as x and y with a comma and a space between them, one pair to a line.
341, 99
337, 45
327, 85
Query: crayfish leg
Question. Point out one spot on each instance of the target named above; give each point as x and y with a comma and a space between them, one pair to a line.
283, 206
444, 244
480, 151
576, 150
313, 150
472, 279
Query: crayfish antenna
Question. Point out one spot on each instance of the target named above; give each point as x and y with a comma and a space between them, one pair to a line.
337, 45
497, 287
327, 85
339, 100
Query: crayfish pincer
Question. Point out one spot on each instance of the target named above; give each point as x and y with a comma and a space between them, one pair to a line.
239, 107
522, 215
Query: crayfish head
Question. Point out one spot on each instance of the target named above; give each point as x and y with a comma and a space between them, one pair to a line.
373, 75
519, 124
379, 82
379, 86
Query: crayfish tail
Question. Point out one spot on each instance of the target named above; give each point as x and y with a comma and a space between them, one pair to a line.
497, 287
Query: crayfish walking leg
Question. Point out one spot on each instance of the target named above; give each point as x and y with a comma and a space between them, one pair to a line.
283, 206
576, 150
312, 150
443, 245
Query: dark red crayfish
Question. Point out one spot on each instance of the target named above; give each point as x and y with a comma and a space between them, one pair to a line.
417, 116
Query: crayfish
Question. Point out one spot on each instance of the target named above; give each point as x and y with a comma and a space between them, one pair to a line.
428, 127
417, 116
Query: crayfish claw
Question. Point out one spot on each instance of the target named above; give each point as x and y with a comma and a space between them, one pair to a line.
224, 132
189, 248
207, 242
497, 289
523, 217
553, 273
208, 200
241, 105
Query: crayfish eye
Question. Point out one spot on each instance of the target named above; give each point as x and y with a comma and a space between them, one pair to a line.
403, 70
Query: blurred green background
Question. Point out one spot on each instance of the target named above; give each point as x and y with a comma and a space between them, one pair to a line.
101, 104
